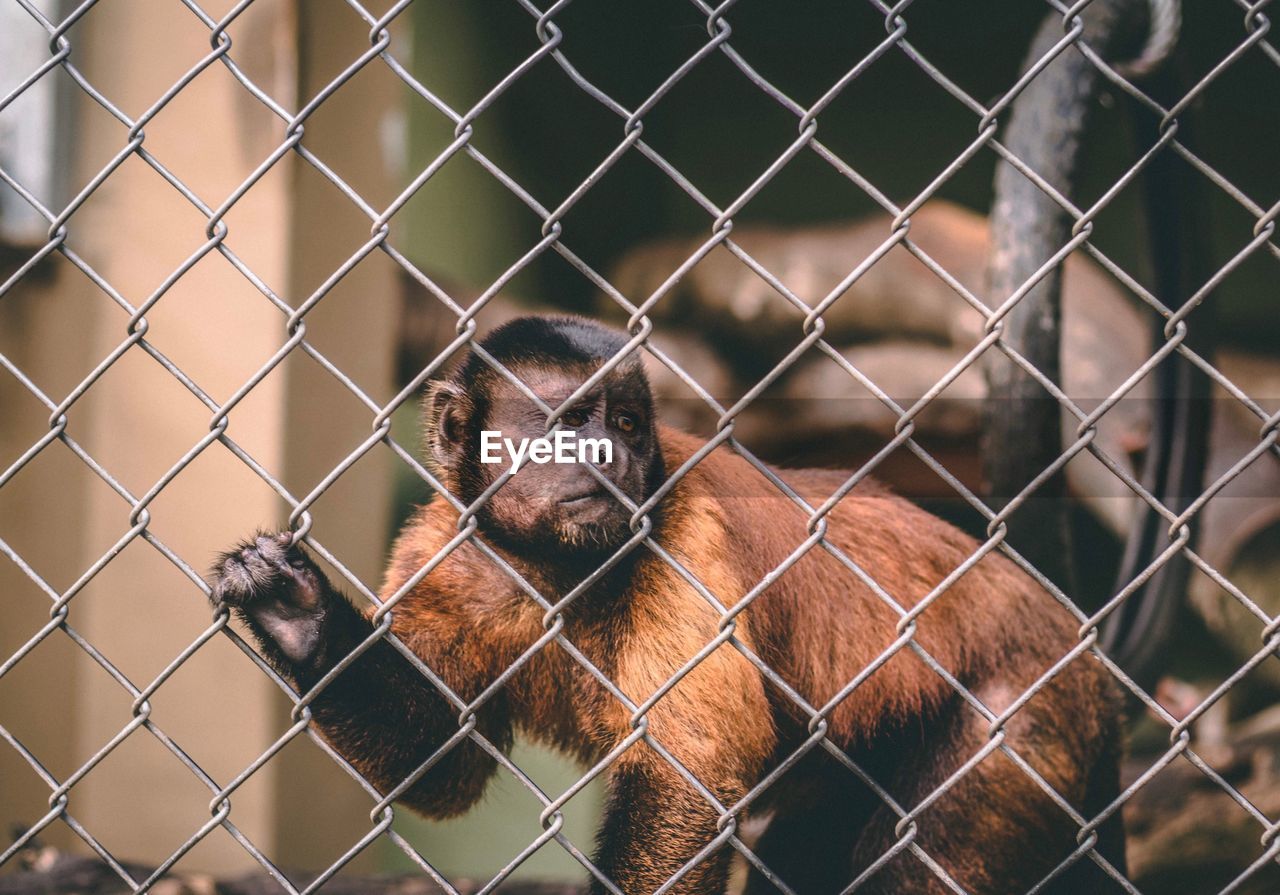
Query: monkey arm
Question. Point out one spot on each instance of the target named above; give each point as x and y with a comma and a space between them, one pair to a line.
380, 712
387, 719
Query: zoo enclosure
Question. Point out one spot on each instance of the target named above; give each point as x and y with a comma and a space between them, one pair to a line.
292, 288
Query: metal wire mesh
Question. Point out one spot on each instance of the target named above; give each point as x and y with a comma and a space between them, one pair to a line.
987, 118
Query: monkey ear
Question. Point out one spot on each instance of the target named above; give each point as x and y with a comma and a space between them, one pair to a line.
445, 422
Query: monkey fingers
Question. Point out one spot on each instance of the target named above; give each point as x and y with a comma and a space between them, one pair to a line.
282, 596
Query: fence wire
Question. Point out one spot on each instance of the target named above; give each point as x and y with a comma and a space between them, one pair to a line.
987, 118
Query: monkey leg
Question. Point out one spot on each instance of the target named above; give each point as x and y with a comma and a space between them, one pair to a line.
809, 841
995, 831
380, 712
1103, 788
655, 824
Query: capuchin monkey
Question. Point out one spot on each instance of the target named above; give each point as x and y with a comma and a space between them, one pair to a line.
818, 626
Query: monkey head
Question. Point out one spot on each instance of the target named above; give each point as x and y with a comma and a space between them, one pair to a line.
479, 424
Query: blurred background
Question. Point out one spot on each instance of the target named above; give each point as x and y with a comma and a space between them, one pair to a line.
70, 337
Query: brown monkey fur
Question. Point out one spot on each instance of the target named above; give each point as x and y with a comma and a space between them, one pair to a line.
818, 627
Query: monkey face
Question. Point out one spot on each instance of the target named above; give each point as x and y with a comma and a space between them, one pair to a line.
553, 501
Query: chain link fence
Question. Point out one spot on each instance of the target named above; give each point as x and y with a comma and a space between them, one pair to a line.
292, 119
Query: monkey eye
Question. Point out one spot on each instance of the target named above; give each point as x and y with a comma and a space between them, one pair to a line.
625, 422
575, 419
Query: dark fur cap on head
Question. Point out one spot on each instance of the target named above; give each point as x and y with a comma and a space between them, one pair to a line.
548, 341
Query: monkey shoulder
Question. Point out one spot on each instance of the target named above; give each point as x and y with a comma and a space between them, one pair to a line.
461, 581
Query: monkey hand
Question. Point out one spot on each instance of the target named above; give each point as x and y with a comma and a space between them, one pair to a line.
284, 598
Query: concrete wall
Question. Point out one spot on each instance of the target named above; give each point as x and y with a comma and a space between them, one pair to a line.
137, 421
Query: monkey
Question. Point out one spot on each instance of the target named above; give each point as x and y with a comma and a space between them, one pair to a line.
799, 639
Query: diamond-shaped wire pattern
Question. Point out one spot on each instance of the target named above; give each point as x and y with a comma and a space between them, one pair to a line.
290, 143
